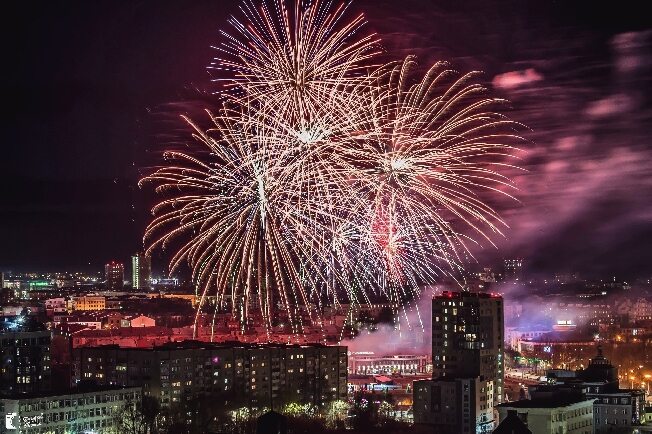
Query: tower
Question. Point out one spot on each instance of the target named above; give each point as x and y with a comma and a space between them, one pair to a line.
141, 271
114, 273
467, 337
513, 269
467, 357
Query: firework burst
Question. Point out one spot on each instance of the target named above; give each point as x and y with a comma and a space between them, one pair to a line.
255, 215
298, 61
424, 158
325, 178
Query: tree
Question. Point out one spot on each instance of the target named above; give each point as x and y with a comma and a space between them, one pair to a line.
336, 414
150, 409
130, 420
139, 417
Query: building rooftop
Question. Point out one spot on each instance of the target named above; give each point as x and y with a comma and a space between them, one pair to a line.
600, 370
466, 294
512, 424
82, 388
190, 344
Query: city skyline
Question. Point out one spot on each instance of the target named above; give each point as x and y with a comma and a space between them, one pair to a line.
326, 216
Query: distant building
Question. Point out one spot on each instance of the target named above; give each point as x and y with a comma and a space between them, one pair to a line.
114, 273
514, 335
87, 320
141, 271
638, 309
6, 295
89, 302
240, 374
137, 321
92, 411
56, 306
25, 365
368, 364
615, 410
467, 357
513, 269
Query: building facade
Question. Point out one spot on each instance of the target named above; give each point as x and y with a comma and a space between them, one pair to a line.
467, 360
73, 412
467, 338
25, 365
618, 412
114, 274
371, 364
141, 271
463, 405
568, 415
238, 374
89, 302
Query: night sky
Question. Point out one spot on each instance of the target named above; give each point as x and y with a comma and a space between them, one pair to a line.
92, 91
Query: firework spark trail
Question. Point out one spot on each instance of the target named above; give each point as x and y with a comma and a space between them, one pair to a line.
298, 62
253, 226
423, 158
324, 183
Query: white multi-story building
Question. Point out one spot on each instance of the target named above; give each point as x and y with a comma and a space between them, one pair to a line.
557, 414
92, 411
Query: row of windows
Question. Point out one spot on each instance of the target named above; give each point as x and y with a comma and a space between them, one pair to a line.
613, 421
72, 427
46, 404
557, 417
26, 342
598, 410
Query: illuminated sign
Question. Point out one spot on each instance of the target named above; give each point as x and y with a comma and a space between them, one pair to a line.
547, 349
9, 420
13, 421
31, 421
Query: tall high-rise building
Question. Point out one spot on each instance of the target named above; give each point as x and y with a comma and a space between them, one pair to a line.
6, 294
141, 271
467, 337
114, 273
468, 370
